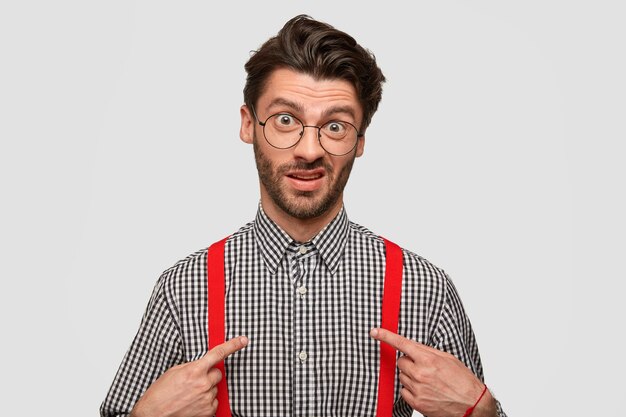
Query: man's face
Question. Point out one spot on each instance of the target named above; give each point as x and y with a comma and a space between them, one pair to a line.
303, 181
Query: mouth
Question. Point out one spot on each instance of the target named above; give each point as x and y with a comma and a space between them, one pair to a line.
306, 175
306, 180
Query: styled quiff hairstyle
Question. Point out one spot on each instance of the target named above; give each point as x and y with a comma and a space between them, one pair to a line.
317, 49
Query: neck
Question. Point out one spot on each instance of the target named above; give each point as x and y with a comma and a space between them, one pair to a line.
300, 230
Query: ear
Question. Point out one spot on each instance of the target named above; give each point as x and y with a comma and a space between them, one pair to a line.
246, 132
360, 146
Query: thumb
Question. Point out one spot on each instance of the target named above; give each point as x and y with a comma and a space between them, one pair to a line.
221, 352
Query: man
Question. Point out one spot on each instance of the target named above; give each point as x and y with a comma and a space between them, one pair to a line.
303, 287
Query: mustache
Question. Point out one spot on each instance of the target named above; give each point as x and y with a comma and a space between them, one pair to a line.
305, 166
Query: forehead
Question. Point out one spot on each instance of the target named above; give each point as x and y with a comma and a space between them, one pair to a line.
311, 95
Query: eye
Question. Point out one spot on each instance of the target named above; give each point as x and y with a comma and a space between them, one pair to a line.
335, 129
285, 120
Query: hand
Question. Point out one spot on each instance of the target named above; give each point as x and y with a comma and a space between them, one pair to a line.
436, 383
189, 389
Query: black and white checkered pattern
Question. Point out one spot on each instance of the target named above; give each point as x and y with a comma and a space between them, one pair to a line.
307, 310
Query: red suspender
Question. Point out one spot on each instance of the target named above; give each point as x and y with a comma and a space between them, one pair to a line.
216, 290
390, 312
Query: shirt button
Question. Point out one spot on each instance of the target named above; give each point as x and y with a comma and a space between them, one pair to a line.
302, 291
302, 250
303, 356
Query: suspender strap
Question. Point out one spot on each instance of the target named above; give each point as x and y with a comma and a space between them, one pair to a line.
390, 314
216, 291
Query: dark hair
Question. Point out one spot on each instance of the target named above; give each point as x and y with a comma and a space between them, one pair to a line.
318, 49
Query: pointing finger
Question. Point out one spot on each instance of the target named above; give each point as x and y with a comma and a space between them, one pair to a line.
221, 352
414, 350
404, 345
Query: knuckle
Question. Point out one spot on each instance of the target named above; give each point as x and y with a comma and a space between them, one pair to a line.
193, 382
427, 362
412, 400
407, 396
405, 345
219, 351
214, 376
405, 381
188, 373
403, 362
423, 374
212, 408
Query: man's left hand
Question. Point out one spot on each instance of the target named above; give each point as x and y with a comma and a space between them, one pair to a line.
436, 383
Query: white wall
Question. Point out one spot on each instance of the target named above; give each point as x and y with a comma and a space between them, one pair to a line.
496, 153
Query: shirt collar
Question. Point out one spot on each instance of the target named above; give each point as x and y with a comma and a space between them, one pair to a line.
273, 241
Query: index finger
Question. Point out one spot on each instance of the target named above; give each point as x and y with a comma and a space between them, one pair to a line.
221, 352
407, 346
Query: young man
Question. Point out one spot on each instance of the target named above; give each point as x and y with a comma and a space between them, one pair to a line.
302, 293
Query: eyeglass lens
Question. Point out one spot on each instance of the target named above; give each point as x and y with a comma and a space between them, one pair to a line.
284, 131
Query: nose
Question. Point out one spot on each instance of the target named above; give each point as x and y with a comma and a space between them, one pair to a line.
309, 147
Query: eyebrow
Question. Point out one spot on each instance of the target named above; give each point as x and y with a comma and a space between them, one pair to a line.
288, 103
340, 109
297, 107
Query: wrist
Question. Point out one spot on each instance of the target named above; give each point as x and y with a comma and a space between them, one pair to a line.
486, 407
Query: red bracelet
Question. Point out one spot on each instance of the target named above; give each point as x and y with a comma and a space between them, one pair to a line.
469, 411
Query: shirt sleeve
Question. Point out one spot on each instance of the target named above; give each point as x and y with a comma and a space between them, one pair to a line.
155, 348
454, 335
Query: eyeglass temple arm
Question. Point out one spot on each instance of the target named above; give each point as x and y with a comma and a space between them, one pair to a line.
257, 117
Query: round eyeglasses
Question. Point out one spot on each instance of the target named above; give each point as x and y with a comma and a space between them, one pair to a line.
284, 130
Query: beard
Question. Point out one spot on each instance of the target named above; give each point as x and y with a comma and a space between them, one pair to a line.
301, 204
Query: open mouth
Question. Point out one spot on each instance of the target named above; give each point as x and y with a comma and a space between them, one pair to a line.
305, 177
306, 180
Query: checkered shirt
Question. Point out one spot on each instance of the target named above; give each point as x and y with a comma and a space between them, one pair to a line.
307, 310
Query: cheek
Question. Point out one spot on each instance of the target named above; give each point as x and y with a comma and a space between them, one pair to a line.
344, 169
267, 160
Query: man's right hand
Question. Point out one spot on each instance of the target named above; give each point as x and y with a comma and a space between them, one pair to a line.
190, 389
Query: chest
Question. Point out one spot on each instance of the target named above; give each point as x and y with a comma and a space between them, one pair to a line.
303, 303
308, 328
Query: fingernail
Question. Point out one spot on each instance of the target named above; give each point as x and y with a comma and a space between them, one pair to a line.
244, 340
374, 332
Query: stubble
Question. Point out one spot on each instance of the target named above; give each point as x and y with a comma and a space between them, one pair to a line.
301, 204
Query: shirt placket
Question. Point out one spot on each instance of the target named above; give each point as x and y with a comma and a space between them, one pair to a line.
303, 263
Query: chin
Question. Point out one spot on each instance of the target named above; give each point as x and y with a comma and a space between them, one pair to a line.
306, 210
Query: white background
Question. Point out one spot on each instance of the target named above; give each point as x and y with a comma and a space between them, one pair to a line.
496, 154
